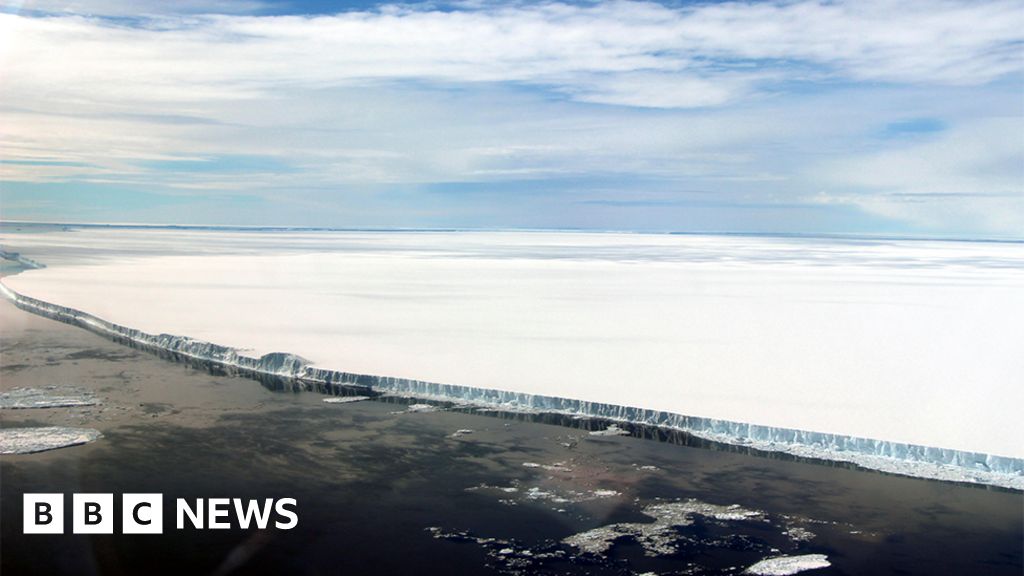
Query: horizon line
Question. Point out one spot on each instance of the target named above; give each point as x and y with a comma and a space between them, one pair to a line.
296, 228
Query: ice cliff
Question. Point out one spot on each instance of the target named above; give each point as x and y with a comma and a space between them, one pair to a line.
894, 457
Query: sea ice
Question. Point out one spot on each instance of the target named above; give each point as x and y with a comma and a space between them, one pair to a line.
786, 565
658, 538
420, 408
613, 430
666, 535
556, 467
29, 440
345, 399
49, 397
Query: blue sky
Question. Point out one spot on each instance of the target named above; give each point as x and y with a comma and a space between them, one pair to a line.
873, 116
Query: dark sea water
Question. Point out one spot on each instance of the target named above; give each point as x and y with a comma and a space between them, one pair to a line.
385, 490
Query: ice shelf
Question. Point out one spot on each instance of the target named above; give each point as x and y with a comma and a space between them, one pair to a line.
887, 456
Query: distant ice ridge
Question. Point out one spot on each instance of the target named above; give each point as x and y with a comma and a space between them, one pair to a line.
893, 457
16, 257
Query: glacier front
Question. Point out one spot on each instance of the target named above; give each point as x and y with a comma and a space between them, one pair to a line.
883, 352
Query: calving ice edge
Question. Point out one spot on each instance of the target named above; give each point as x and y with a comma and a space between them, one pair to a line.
887, 456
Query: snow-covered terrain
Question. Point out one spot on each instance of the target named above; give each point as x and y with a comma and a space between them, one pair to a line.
908, 342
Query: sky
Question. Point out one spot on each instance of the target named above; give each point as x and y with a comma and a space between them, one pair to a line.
865, 116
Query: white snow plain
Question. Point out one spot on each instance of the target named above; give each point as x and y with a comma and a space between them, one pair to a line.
907, 341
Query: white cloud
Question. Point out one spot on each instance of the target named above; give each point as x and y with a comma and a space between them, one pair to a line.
664, 90
985, 157
642, 54
970, 177
704, 97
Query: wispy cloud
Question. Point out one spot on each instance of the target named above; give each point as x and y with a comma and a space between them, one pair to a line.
824, 103
134, 8
973, 175
638, 54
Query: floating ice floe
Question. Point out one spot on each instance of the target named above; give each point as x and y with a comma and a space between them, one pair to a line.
786, 565
345, 399
535, 494
29, 440
48, 397
568, 497
612, 430
664, 537
658, 538
798, 534
510, 556
421, 408
507, 489
556, 467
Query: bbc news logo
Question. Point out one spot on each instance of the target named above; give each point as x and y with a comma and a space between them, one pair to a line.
144, 513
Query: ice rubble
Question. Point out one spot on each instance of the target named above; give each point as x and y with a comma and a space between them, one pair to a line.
658, 538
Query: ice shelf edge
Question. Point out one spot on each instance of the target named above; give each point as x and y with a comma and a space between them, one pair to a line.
892, 457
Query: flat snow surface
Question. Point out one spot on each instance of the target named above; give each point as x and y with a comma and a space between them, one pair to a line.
908, 341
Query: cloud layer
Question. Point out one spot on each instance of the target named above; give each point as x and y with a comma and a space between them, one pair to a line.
632, 53
648, 102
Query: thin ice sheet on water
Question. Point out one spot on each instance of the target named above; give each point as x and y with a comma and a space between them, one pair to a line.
40, 439
49, 397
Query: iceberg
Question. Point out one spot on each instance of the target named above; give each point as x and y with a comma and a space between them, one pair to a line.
887, 456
